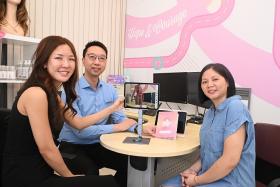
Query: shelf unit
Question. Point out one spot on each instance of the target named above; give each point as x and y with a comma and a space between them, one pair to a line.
20, 40
11, 81
14, 49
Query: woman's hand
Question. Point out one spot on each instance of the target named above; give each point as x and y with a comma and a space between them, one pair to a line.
185, 174
123, 126
149, 129
190, 180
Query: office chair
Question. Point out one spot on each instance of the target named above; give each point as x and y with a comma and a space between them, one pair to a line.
267, 155
274, 183
4, 118
245, 94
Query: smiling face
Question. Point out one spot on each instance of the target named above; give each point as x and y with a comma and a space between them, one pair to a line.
95, 61
61, 64
214, 86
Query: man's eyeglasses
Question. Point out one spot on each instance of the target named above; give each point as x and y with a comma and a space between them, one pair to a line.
93, 57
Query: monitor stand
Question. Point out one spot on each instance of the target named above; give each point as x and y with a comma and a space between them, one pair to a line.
196, 118
139, 139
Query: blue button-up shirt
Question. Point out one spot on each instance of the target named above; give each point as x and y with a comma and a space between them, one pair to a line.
90, 101
218, 124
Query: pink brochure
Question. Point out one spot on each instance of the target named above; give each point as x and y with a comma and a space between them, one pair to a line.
167, 125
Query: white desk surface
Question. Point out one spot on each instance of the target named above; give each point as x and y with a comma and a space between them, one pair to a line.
157, 147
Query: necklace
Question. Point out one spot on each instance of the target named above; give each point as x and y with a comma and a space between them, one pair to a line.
14, 27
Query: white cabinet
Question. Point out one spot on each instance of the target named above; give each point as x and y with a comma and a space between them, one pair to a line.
13, 51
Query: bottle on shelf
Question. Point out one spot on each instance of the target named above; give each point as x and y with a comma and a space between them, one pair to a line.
7, 72
23, 69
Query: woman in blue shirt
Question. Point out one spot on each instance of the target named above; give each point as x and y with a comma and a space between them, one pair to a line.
227, 138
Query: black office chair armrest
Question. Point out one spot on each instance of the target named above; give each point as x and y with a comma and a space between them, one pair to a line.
274, 183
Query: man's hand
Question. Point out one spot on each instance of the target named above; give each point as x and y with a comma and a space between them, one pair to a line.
118, 104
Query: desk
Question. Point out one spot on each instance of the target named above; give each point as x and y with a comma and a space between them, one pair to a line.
164, 158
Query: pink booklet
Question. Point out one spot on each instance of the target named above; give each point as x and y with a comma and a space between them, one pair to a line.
167, 125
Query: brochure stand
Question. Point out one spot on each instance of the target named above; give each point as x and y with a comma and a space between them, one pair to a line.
139, 139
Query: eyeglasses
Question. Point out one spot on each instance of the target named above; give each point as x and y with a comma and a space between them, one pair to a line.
93, 57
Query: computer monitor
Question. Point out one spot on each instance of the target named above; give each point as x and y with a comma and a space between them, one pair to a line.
173, 86
141, 95
193, 97
193, 88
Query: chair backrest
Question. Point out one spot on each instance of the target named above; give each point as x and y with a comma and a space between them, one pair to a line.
245, 94
268, 142
4, 118
267, 152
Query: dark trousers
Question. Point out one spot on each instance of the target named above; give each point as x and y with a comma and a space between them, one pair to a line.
89, 158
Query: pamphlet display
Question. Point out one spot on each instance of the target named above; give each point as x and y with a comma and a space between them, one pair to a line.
167, 125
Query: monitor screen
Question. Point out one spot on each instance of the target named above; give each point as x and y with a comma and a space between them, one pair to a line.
173, 86
192, 85
193, 88
141, 95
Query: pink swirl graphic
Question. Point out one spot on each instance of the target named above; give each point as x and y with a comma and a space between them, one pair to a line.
193, 24
241, 58
250, 66
222, 46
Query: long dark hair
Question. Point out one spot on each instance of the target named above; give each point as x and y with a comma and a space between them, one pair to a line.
21, 14
224, 72
40, 76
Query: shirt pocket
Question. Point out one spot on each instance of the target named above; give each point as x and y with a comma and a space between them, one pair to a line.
106, 101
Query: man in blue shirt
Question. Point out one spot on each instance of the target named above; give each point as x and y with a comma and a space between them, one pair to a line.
83, 146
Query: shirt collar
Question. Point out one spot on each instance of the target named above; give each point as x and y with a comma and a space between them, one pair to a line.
223, 105
84, 83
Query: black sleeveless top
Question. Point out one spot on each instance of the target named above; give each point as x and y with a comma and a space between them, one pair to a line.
23, 164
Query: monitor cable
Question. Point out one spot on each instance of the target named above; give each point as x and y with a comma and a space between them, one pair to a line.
179, 107
168, 106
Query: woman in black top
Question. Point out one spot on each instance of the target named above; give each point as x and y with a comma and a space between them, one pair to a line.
30, 154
